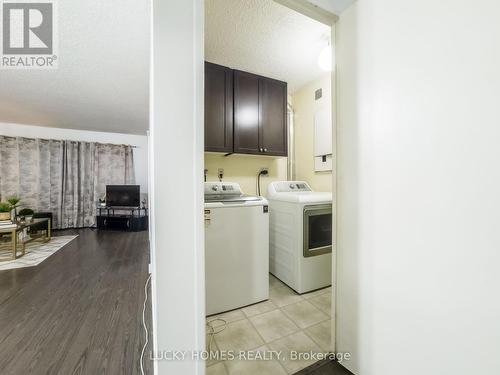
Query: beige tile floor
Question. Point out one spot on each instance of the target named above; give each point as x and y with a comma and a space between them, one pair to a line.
286, 322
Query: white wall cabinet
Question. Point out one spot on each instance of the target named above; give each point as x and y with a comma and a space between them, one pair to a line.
323, 160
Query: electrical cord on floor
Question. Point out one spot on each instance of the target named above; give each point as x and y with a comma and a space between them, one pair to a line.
263, 172
146, 332
212, 331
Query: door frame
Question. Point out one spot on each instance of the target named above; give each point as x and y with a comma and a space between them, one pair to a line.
330, 20
177, 260
176, 183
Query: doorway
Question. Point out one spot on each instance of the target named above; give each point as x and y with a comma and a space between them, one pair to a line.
181, 277
279, 46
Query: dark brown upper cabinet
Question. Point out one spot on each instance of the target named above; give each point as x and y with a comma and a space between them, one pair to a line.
244, 113
260, 125
273, 130
218, 108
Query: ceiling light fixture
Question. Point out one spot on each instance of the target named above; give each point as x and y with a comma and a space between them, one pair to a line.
325, 58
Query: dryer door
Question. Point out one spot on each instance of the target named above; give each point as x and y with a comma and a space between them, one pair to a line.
317, 230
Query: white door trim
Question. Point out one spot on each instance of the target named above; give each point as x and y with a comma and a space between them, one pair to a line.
176, 162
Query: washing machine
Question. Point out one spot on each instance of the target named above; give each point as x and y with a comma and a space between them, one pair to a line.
300, 230
236, 248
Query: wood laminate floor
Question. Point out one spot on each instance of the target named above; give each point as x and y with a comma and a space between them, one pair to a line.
78, 312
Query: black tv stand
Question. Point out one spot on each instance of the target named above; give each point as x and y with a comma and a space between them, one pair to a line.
132, 219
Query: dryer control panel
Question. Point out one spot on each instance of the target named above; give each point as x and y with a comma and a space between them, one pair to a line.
290, 186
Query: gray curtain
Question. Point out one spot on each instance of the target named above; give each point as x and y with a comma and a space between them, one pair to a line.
63, 177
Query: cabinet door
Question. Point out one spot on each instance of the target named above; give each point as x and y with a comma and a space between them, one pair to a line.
272, 117
246, 113
218, 108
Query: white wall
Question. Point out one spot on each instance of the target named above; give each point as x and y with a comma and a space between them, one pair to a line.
177, 187
243, 169
305, 107
140, 153
419, 187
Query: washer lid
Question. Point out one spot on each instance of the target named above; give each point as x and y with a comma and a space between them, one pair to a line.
213, 198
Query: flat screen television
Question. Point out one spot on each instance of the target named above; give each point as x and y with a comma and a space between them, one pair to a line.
123, 195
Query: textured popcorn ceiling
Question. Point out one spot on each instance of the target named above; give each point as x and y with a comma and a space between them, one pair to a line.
102, 80
266, 38
333, 6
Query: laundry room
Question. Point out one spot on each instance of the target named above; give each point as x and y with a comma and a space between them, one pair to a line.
269, 199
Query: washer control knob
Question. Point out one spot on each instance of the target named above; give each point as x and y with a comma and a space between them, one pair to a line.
215, 188
292, 186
